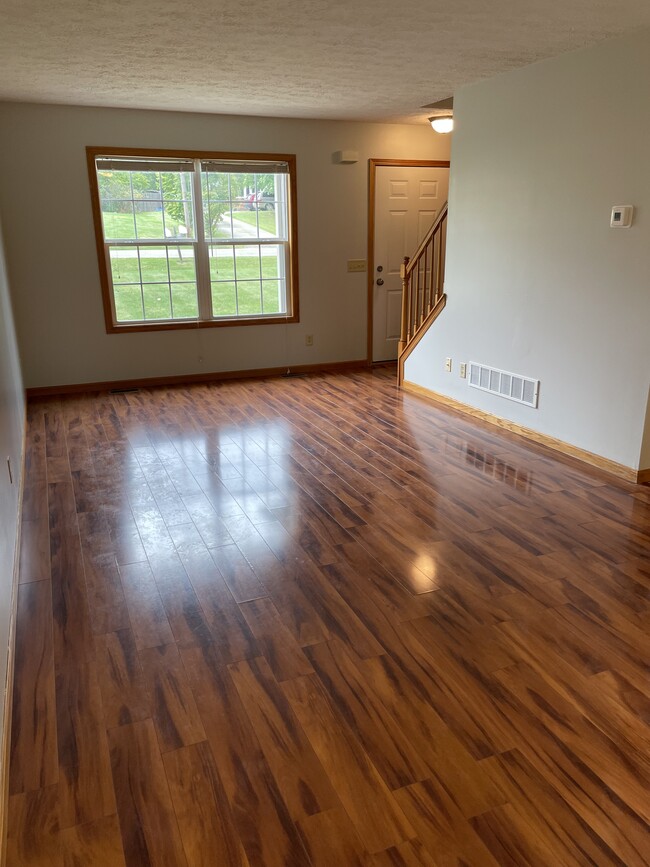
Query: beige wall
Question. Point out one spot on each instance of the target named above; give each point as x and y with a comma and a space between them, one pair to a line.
53, 264
12, 414
537, 282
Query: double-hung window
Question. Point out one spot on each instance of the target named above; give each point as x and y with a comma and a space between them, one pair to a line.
187, 239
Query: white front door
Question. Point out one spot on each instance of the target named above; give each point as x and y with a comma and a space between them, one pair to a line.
407, 201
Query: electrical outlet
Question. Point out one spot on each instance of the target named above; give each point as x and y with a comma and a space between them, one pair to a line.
356, 265
448, 365
463, 370
309, 339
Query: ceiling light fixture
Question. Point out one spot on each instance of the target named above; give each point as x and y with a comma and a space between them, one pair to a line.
442, 123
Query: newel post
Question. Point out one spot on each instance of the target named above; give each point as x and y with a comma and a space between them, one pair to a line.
405, 305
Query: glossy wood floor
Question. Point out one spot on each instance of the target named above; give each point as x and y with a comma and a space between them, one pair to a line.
316, 621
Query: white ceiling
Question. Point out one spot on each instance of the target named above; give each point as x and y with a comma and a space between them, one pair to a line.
345, 59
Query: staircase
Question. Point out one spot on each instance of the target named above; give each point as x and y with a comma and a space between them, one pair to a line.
423, 299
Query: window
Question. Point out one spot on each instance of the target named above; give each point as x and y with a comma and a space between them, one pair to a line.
187, 240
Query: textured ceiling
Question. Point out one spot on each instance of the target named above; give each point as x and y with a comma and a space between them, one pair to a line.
346, 59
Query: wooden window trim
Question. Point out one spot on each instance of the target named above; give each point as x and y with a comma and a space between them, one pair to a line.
170, 325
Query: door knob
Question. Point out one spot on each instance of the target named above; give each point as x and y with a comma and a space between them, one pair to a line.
380, 282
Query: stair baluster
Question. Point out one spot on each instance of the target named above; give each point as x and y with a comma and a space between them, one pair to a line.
422, 288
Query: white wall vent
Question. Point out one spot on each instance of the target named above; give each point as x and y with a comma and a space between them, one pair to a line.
510, 385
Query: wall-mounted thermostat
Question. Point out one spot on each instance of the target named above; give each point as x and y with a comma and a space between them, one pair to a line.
621, 216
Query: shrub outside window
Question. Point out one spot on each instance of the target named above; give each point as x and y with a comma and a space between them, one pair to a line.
194, 239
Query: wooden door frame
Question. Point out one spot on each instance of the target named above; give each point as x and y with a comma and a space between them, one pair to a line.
373, 163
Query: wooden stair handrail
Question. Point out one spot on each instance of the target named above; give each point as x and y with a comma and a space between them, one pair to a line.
432, 231
422, 288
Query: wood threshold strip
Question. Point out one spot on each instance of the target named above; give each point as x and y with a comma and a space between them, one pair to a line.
435, 311
190, 378
602, 463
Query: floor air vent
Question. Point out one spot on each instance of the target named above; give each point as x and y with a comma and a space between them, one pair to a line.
510, 385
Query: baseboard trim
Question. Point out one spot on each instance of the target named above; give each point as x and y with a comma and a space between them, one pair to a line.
9, 674
643, 477
193, 378
601, 463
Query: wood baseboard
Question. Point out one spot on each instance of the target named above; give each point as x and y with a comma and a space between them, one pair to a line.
191, 378
609, 466
5, 735
643, 477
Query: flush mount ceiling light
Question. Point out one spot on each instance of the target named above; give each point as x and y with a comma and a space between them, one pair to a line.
442, 123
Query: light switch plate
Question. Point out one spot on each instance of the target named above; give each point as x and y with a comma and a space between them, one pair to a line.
357, 265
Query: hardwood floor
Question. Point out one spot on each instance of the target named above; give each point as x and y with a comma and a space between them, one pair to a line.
317, 621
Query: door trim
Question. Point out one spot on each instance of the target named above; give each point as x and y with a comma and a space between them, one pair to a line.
372, 180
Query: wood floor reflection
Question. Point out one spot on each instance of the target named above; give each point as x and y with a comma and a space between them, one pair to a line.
317, 621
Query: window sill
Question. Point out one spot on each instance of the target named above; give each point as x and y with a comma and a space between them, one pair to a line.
189, 325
